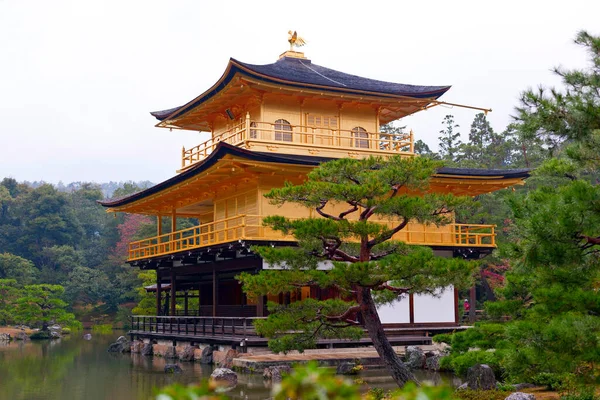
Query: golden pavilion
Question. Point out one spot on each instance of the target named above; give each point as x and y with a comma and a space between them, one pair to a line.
270, 124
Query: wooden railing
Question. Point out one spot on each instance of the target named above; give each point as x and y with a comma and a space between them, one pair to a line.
226, 230
245, 132
197, 326
250, 227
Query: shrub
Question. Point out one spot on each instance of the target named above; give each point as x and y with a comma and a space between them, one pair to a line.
40, 335
462, 362
481, 394
104, 328
554, 381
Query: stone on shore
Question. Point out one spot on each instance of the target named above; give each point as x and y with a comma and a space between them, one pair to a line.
173, 369
276, 372
415, 358
207, 355
347, 368
432, 361
5, 337
55, 335
87, 336
481, 377
21, 336
187, 354
520, 396
147, 349
224, 377
122, 345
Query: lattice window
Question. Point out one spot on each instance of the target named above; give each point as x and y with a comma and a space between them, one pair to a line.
360, 136
322, 121
283, 130
253, 132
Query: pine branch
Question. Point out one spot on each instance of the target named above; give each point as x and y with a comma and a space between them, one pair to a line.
397, 290
319, 209
387, 235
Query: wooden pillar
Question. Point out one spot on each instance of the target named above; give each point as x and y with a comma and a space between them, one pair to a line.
260, 306
185, 302
215, 292
472, 303
411, 308
158, 293
158, 225
173, 290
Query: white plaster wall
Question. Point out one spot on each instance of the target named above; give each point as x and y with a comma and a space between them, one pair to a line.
396, 312
435, 309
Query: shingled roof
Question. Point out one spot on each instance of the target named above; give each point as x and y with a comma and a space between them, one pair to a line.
224, 149
302, 73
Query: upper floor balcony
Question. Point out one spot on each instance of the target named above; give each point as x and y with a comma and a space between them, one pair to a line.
284, 138
250, 228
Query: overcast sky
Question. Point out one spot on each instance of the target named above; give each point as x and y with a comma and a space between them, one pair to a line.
78, 78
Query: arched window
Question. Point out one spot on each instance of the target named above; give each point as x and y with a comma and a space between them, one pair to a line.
360, 138
253, 132
283, 130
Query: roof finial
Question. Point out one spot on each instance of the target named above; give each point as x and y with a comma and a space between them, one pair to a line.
295, 40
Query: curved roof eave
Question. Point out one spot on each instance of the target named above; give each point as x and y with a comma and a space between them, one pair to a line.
224, 149
264, 74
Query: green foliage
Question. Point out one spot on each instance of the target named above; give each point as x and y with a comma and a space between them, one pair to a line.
285, 319
102, 328
309, 382
146, 304
460, 363
204, 391
449, 140
9, 293
18, 268
469, 394
43, 304
358, 242
40, 335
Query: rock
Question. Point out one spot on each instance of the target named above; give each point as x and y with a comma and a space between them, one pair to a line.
443, 349
22, 336
122, 339
55, 327
136, 346
147, 349
228, 360
5, 337
481, 377
520, 396
87, 336
432, 361
275, 372
347, 368
170, 352
55, 335
521, 386
224, 377
122, 345
187, 354
464, 386
207, 355
173, 369
415, 358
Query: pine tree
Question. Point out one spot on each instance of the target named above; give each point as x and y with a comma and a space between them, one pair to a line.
366, 266
449, 140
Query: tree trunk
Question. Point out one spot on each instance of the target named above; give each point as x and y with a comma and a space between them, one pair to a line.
400, 372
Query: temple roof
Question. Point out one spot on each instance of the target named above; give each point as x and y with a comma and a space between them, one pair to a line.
303, 74
224, 149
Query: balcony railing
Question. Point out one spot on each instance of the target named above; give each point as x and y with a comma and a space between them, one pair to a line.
247, 133
250, 227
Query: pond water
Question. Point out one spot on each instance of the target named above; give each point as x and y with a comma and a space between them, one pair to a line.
73, 368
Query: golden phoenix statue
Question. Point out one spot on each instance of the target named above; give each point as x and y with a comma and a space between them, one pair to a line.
295, 40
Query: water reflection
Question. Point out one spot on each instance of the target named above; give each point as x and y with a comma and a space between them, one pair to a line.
74, 368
